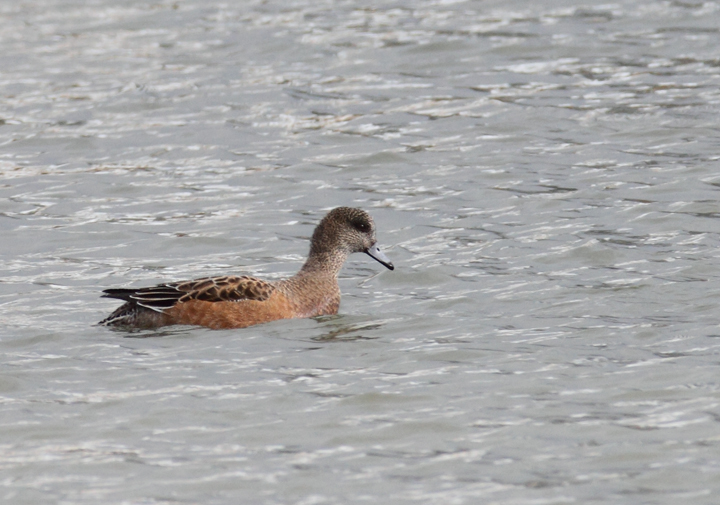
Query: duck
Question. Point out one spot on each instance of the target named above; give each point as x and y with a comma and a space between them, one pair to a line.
239, 301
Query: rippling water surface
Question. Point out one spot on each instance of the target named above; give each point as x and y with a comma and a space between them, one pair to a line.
544, 176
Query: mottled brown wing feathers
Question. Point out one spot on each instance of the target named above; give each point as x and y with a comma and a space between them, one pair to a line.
224, 289
210, 289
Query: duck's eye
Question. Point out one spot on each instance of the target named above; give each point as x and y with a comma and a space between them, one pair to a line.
361, 226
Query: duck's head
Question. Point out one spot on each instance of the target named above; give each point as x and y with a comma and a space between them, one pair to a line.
347, 230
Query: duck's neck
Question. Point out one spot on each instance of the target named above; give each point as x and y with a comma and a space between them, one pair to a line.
314, 289
323, 264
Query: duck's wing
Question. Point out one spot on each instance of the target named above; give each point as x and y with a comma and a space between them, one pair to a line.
209, 289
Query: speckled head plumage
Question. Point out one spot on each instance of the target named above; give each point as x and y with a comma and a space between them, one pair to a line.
344, 231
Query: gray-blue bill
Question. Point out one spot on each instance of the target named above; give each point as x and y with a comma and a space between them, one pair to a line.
375, 253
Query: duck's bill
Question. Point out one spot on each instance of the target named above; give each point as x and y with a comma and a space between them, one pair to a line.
375, 253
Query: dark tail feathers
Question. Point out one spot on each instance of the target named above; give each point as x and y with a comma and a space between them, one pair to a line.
121, 294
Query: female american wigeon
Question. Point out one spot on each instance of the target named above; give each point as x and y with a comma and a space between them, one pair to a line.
237, 302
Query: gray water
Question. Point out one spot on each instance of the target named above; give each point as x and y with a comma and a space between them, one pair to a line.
545, 176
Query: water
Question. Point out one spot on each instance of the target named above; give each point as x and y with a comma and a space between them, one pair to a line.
542, 174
